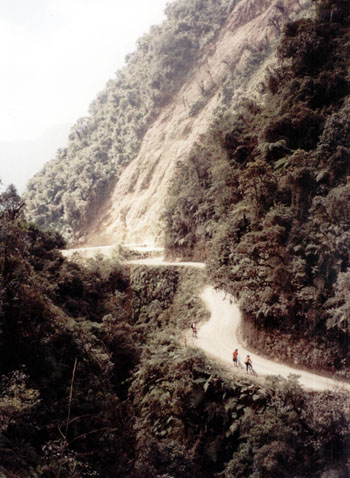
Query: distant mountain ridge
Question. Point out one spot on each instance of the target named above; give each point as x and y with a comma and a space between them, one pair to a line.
20, 160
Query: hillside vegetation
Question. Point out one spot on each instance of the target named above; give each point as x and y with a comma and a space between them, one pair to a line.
70, 189
95, 379
264, 198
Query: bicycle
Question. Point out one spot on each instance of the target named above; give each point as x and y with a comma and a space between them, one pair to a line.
253, 372
237, 364
250, 370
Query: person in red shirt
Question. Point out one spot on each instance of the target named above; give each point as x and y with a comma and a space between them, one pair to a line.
235, 358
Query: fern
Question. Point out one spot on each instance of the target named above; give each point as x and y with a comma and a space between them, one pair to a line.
282, 163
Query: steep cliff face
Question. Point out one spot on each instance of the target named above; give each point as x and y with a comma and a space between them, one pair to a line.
243, 50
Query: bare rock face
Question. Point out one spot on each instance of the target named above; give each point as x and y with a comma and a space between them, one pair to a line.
133, 212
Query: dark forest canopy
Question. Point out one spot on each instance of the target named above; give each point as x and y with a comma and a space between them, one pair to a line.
67, 193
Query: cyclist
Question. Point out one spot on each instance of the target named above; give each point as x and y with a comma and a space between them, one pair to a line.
235, 358
249, 364
194, 329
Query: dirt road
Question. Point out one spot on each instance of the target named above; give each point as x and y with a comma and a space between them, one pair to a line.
108, 251
220, 335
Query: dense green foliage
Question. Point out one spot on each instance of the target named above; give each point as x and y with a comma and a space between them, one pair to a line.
68, 192
96, 379
265, 196
53, 313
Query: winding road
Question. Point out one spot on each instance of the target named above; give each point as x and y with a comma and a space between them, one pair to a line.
219, 336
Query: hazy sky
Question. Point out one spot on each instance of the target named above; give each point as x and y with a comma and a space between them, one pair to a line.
56, 55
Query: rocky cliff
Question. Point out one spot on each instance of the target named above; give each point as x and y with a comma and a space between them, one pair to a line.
133, 211
110, 183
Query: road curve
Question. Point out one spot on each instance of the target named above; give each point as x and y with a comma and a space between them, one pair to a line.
219, 336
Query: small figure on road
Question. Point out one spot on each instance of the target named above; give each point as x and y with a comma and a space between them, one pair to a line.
194, 329
235, 358
249, 364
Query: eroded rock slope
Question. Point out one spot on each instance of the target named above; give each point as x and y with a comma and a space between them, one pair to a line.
133, 211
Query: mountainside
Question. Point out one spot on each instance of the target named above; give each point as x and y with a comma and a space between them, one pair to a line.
237, 56
264, 199
110, 183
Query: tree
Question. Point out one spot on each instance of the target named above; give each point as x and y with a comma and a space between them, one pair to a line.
11, 204
339, 307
